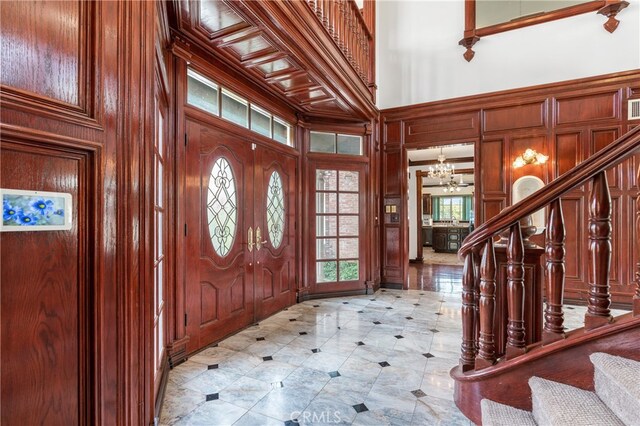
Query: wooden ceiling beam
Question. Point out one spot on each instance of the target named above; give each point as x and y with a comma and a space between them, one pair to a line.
434, 162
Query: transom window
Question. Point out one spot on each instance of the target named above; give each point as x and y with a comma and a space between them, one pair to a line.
335, 143
209, 96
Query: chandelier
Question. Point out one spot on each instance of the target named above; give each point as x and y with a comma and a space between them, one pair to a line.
452, 185
441, 171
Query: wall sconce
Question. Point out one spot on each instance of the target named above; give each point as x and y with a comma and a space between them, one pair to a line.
529, 156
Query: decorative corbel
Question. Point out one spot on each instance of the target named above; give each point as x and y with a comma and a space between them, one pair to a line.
610, 10
468, 42
181, 48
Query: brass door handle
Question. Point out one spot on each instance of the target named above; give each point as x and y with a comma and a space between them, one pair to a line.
259, 242
250, 244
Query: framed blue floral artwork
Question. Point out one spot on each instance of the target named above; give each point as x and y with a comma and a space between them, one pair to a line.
35, 210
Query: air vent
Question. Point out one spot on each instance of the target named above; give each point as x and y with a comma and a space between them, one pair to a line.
634, 109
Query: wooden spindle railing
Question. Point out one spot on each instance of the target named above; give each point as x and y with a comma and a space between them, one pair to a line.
515, 293
468, 356
598, 312
636, 297
345, 24
555, 252
481, 281
487, 347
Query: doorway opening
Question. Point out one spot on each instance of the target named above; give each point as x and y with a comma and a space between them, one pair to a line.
441, 202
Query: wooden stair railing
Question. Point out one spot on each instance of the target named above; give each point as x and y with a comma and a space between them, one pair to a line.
345, 24
478, 349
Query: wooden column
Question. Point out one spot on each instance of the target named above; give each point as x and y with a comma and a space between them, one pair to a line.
486, 345
515, 293
555, 252
468, 348
598, 313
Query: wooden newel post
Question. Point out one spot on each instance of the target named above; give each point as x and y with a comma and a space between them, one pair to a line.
598, 313
468, 348
487, 348
516, 344
555, 253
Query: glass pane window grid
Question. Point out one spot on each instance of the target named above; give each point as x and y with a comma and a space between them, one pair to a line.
275, 210
337, 226
209, 96
334, 143
450, 208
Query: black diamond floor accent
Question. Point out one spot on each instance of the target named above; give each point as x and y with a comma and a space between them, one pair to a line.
398, 297
293, 422
259, 339
345, 303
434, 330
267, 358
360, 343
418, 393
361, 312
389, 307
409, 318
373, 300
429, 355
316, 306
569, 307
421, 294
438, 313
384, 364
416, 304
377, 322
303, 333
383, 291
399, 336
212, 367
360, 408
212, 397
316, 350
292, 319
335, 374
214, 346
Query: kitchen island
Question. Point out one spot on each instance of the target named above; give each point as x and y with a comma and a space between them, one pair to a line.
448, 238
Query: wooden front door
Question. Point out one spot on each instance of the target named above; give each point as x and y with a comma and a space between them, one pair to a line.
274, 210
235, 192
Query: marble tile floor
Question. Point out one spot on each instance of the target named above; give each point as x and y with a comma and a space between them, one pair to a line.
380, 359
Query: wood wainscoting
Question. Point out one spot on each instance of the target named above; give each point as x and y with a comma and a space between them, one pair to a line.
76, 91
568, 121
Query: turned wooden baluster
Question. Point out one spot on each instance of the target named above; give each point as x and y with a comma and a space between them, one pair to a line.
318, 9
555, 252
598, 312
329, 12
487, 306
326, 7
477, 258
636, 297
468, 348
515, 293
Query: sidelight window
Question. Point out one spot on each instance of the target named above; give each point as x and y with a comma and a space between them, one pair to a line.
337, 225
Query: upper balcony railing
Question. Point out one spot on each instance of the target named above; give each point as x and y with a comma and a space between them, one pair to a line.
345, 23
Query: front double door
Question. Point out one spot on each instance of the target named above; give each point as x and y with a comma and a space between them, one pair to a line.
240, 233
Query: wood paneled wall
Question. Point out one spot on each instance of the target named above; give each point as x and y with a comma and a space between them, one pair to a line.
76, 117
569, 121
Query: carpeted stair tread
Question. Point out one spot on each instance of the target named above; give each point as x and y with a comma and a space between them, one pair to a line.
558, 404
496, 414
617, 384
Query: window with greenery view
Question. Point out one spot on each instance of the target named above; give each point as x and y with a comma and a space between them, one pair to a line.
452, 207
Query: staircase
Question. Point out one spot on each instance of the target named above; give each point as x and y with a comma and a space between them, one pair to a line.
519, 364
616, 400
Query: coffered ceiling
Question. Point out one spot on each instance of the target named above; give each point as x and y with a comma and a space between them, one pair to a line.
270, 43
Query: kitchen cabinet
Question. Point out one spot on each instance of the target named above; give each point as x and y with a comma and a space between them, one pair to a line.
448, 239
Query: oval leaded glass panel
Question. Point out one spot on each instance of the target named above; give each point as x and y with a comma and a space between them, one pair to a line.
222, 207
275, 210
